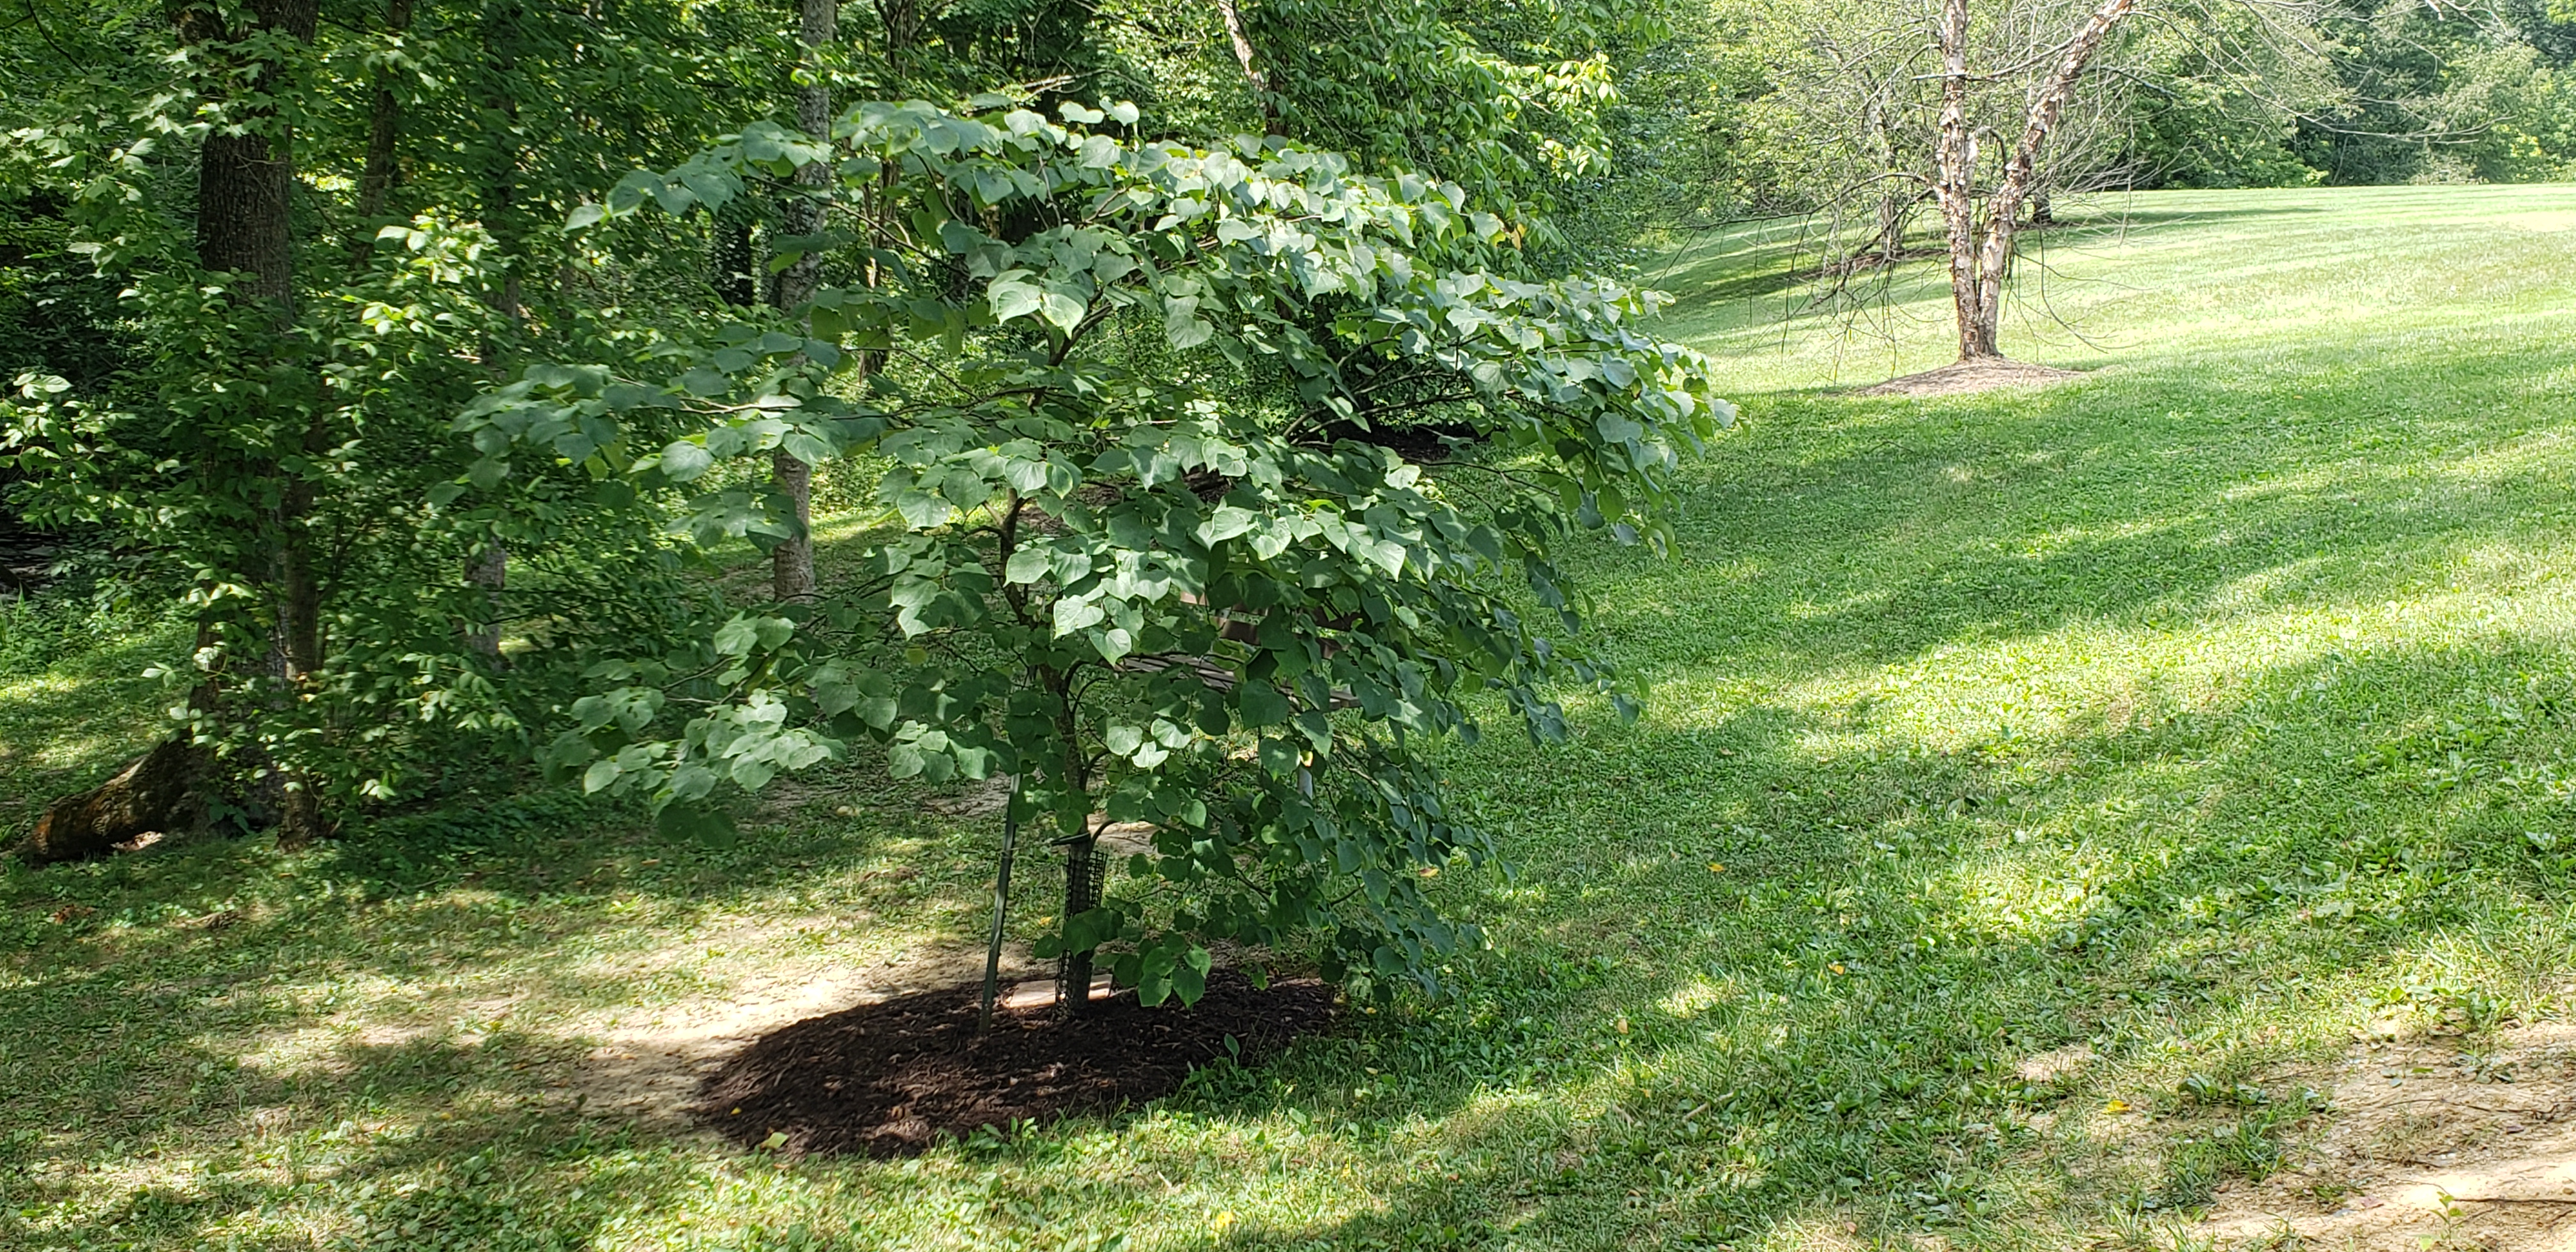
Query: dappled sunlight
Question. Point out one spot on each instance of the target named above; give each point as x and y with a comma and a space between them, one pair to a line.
64, 752
1697, 997
2025, 899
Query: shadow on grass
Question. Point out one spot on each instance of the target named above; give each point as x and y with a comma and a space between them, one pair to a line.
1827, 1029
417, 1145
1840, 1027
1768, 258
68, 724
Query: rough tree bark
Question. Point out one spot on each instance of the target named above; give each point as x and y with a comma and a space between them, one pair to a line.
246, 180
245, 225
159, 792
791, 564
1954, 172
1981, 244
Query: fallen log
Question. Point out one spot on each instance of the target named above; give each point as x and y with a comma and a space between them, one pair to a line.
158, 793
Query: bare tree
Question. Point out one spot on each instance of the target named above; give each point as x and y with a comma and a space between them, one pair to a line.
1981, 236
1982, 110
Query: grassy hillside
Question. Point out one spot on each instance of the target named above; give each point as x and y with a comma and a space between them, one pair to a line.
2151, 280
2034, 782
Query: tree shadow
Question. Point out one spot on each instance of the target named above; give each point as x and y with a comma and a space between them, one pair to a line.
1762, 972
2229, 488
421, 996
76, 721
1841, 1029
419, 1144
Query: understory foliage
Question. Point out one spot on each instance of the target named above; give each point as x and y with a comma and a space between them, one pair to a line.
1130, 374
217, 426
240, 417
1129, 571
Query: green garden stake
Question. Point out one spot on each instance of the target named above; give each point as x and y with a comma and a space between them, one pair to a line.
1001, 906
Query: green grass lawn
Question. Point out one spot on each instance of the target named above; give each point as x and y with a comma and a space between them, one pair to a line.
2012, 760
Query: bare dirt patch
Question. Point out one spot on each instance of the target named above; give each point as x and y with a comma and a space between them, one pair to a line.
2433, 1144
893, 1078
1969, 377
979, 798
651, 1067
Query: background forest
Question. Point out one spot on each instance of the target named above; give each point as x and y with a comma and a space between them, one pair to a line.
513, 501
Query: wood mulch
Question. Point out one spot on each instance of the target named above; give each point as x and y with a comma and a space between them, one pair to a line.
896, 1077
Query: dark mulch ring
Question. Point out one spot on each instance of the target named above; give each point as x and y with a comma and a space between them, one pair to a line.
895, 1077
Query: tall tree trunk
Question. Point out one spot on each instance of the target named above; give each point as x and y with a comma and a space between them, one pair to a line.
791, 564
246, 180
245, 225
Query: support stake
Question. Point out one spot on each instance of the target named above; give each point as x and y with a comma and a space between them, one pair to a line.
1001, 906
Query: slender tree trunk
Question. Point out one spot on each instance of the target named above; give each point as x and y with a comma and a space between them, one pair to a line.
2021, 168
383, 170
504, 35
1081, 889
736, 268
1954, 175
1081, 895
901, 20
791, 564
489, 572
1252, 74
1978, 266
